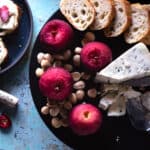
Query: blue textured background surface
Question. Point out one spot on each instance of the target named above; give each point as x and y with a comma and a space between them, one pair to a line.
28, 132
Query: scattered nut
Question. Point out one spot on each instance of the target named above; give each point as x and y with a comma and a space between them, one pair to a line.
45, 63
92, 93
80, 94
54, 111
79, 85
76, 76
77, 50
84, 41
73, 98
89, 36
64, 113
57, 63
68, 67
48, 57
40, 56
59, 57
76, 60
68, 105
65, 122
67, 54
56, 123
39, 72
45, 110
85, 76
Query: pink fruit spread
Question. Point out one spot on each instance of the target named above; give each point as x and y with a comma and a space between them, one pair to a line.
4, 14
85, 119
56, 34
95, 55
56, 83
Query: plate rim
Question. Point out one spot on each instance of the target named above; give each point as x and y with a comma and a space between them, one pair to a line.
34, 99
16, 61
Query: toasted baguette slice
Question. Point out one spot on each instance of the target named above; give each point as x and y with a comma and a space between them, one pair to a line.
146, 40
80, 13
121, 20
140, 24
14, 15
104, 13
3, 52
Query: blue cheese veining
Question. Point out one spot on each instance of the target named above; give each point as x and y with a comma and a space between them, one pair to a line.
132, 64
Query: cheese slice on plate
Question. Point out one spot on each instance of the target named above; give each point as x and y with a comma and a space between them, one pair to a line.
132, 64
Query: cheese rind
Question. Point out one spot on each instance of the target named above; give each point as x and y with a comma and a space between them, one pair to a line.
132, 64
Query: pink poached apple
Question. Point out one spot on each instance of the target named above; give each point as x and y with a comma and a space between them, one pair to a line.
56, 84
85, 119
56, 34
95, 56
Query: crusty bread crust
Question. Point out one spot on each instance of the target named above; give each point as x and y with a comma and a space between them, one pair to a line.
105, 12
140, 24
3, 52
13, 22
146, 40
80, 13
121, 20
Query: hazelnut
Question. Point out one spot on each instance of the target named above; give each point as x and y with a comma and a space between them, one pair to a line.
48, 57
39, 72
76, 60
79, 85
73, 98
67, 54
57, 63
80, 94
54, 111
59, 57
76, 76
92, 93
56, 123
68, 105
68, 67
40, 56
45, 110
45, 63
89, 36
77, 50
85, 76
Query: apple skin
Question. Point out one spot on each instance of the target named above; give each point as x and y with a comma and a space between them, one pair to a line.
95, 56
85, 119
56, 34
56, 83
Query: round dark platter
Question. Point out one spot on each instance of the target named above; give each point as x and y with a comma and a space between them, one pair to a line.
116, 133
18, 42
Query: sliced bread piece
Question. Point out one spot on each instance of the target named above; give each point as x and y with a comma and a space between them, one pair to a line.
121, 20
3, 52
80, 13
146, 40
9, 16
132, 64
104, 13
140, 24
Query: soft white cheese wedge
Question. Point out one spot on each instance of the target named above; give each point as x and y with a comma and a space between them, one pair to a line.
132, 64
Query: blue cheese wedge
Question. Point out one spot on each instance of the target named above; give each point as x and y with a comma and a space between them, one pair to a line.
132, 64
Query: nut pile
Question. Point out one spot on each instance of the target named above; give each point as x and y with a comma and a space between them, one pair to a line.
69, 60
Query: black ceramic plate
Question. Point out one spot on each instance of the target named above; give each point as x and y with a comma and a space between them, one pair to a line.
116, 133
19, 41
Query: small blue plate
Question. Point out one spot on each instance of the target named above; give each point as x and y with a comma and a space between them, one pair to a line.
18, 42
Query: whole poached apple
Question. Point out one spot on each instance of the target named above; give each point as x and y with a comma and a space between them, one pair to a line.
56, 35
95, 56
85, 119
56, 83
